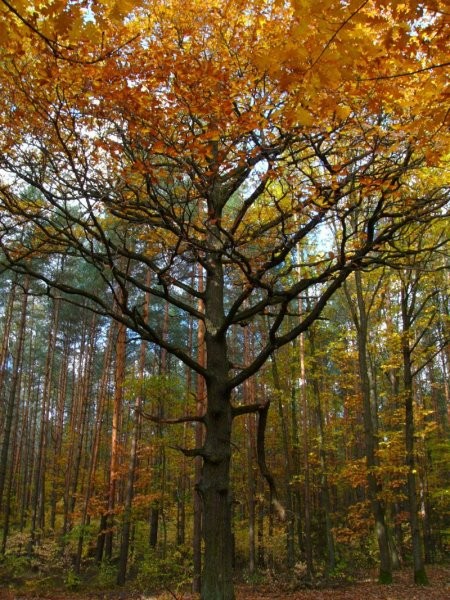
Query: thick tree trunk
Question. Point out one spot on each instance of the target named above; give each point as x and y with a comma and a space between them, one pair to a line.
214, 488
214, 485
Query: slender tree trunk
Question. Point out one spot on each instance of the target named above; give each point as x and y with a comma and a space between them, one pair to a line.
324, 485
119, 380
360, 318
81, 426
249, 398
13, 392
30, 421
101, 401
261, 550
4, 348
59, 429
200, 409
280, 392
420, 576
11, 416
307, 489
126, 522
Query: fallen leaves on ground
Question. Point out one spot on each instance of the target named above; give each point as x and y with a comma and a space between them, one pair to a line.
403, 588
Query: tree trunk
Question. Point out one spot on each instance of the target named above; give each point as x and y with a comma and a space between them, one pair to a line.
13, 392
360, 314
420, 576
4, 348
307, 488
119, 379
214, 485
59, 430
214, 488
11, 415
101, 401
324, 484
200, 409
249, 398
280, 392
133, 458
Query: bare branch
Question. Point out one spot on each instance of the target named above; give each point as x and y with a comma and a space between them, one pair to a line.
246, 409
190, 452
174, 421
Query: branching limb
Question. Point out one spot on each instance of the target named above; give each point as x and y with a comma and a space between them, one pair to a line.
246, 409
191, 452
174, 421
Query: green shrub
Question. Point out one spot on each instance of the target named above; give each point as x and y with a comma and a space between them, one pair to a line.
155, 572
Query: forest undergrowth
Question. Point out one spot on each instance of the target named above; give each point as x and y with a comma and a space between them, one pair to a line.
365, 588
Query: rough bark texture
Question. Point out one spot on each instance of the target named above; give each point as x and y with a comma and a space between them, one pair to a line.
214, 485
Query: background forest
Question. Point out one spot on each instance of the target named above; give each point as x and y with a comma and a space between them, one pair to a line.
85, 476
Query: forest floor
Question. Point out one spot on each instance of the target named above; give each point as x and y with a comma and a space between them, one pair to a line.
367, 589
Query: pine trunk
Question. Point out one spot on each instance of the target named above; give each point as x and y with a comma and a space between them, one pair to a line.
420, 576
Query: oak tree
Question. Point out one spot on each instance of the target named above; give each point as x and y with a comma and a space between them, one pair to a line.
165, 137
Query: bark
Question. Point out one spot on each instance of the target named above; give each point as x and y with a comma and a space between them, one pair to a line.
59, 429
74, 419
360, 314
307, 492
420, 576
133, 459
29, 421
119, 379
84, 396
214, 485
324, 484
101, 401
4, 349
261, 550
249, 398
214, 488
13, 392
200, 409
11, 415
290, 524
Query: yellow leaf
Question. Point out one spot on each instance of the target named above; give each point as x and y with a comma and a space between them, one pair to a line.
342, 112
304, 117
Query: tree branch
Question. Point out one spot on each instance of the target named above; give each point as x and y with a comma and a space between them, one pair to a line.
246, 409
174, 421
190, 452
